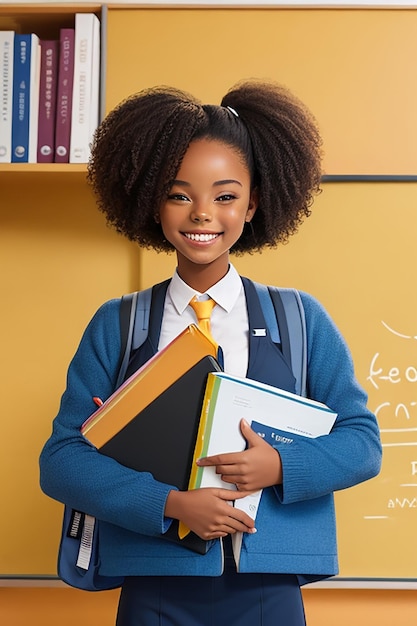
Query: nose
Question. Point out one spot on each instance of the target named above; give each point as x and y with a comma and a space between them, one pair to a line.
200, 214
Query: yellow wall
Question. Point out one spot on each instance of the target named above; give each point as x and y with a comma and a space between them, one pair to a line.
62, 263
352, 68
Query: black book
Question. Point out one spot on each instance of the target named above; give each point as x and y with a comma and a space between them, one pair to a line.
161, 438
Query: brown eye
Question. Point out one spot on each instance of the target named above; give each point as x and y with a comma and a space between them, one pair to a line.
178, 197
226, 197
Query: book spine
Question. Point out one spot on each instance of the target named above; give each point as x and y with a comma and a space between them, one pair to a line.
204, 427
6, 94
47, 100
35, 74
64, 95
21, 104
95, 80
84, 64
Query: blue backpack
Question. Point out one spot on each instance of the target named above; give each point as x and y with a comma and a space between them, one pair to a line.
285, 321
284, 317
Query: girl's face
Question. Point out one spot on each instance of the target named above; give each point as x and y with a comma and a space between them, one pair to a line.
206, 209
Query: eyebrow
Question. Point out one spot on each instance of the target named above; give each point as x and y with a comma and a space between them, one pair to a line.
218, 183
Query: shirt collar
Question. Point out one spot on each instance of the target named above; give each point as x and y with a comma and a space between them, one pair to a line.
225, 292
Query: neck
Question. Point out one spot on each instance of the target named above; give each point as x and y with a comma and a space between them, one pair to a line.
201, 277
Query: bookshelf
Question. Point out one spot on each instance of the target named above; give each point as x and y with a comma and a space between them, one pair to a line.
45, 20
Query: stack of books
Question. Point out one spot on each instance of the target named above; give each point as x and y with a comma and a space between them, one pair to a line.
180, 406
150, 422
49, 91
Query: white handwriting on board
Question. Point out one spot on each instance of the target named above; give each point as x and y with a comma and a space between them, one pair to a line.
402, 503
397, 418
394, 332
400, 410
394, 375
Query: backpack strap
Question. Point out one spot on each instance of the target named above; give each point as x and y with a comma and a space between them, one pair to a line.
284, 316
268, 311
134, 323
287, 303
141, 318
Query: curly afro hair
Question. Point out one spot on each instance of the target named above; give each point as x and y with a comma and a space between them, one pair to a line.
138, 149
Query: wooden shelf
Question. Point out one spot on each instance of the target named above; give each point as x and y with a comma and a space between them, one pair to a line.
44, 19
30, 174
46, 168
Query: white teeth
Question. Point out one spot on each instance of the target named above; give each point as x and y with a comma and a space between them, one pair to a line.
200, 237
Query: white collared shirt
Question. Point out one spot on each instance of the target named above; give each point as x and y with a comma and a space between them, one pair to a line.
229, 319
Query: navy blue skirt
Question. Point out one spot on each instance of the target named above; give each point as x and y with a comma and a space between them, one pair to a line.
229, 600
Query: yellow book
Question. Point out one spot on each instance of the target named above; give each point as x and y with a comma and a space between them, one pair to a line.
203, 431
145, 385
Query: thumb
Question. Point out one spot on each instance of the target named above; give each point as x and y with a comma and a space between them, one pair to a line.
249, 434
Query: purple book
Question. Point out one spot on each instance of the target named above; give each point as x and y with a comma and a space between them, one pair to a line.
64, 96
47, 101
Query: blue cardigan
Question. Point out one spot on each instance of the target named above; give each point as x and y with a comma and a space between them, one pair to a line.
295, 521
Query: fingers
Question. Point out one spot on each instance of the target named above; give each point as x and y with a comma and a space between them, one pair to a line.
236, 521
231, 495
233, 458
227, 458
210, 513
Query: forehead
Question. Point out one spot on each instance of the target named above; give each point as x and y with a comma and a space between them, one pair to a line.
211, 155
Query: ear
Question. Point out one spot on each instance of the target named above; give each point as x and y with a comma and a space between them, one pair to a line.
253, 205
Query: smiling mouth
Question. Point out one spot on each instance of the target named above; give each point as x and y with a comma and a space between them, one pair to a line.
201, 236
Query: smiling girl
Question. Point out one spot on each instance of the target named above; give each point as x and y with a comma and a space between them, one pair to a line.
173, 174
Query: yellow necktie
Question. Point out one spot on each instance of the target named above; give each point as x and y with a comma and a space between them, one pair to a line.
203, 309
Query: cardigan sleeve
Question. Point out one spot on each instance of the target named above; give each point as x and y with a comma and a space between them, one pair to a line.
71, 469
351, 453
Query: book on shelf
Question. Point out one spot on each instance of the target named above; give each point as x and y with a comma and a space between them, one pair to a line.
35, 75
276, 415
6, 94
150, 423
95, 82
26, 75
86, 86
64, 95
47, 100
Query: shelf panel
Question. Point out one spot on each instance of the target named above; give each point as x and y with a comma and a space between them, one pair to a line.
34, 174
43, 19
49, 168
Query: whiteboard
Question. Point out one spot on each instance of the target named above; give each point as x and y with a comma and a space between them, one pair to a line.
356, 254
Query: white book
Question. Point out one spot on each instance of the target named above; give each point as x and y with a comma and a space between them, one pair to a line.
275, 414
84, 113
35, 74
6, 94
95, 80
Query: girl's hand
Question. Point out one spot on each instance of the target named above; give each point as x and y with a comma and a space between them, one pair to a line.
209, 512
257, 467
